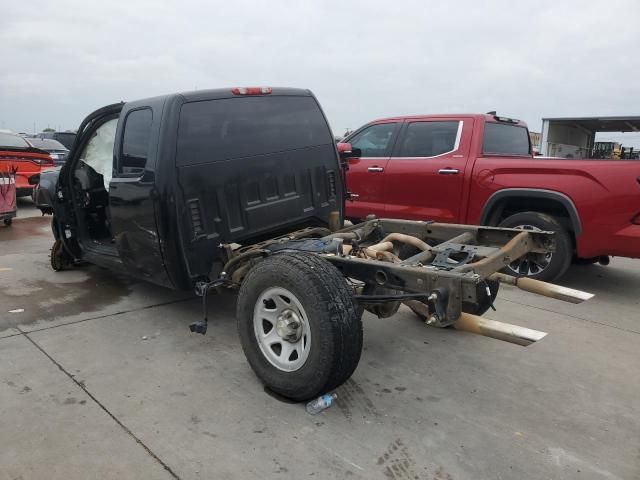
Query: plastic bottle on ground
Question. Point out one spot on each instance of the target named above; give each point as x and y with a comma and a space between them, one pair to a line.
321, 403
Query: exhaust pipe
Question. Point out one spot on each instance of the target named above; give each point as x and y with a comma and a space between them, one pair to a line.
483, 326
498, 330
543, 288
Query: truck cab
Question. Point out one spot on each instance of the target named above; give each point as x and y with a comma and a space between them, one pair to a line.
154, 187
418, 167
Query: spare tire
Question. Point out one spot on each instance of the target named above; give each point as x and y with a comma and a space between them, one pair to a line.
298, 325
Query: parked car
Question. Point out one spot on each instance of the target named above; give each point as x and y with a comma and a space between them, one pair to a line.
479, 169
65, 138
16, 153
55, 149
243, 188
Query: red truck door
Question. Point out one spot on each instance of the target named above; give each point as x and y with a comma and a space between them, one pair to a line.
425, 174
371, 148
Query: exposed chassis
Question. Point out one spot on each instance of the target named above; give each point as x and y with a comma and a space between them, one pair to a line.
452, 277
300, 322
461, 258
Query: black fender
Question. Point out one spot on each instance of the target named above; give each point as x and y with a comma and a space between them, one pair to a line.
559, 197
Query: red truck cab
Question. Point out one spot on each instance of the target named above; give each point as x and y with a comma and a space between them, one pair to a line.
479, 168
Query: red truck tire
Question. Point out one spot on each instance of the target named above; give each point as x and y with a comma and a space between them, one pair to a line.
546, 267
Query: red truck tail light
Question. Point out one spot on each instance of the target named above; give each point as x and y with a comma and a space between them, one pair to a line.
251, 90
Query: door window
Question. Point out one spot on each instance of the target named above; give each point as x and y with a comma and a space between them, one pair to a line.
373, 141
97, 155
430, 139
135, 142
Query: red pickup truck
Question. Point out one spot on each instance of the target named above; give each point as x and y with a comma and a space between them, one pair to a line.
479, 169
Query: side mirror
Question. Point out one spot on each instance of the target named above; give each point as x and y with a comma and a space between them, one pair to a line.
344, 149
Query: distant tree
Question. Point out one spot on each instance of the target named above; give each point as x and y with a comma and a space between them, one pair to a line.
48, 129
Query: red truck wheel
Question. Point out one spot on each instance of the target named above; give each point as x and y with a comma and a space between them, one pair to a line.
546, 267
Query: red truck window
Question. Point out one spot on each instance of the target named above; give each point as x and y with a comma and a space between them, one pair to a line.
504, 139
373, 141
430, 139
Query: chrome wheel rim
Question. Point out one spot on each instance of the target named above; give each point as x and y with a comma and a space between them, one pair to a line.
281, 327
531, 263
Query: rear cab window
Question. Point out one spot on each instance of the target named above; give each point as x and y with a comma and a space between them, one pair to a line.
223, 129
505, 139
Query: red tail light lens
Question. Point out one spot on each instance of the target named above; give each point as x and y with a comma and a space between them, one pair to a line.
251, 90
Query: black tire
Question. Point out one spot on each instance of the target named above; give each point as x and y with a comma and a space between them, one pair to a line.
560, 259
585, 261
8, 221
60, 258
335, 326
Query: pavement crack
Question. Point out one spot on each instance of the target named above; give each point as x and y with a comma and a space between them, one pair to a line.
101, 405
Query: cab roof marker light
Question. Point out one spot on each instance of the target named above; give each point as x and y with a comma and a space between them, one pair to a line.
251, 90
506, 119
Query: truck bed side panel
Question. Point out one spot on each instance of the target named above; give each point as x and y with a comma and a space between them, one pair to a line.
606, 194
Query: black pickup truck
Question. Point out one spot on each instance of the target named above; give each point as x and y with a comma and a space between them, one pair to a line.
244, 188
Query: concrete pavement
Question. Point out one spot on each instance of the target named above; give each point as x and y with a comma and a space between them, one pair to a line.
100, 378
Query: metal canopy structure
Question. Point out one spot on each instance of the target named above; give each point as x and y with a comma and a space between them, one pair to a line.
574, 137
600, 124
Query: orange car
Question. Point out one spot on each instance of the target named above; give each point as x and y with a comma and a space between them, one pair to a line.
16, 153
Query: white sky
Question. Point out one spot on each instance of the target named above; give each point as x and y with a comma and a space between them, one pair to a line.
363, 59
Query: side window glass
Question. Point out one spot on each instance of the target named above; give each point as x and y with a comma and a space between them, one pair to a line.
430, 139
503, 139
98, 153
135, 142
373, 141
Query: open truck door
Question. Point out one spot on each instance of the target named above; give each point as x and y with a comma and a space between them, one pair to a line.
132, 191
